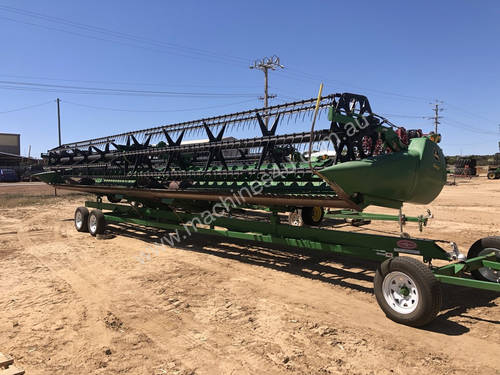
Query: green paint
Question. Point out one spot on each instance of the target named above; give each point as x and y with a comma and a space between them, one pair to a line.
471, 283
468, 265
49, 177
349, 214
417, 176
363, 245
360, 245
404, 291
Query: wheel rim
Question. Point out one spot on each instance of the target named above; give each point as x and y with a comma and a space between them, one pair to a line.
488, 273
93, 223
78, 220
295, 219
400, 292
316, 214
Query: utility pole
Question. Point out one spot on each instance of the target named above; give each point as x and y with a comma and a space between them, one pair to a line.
436, 116
499, 135
59, 131
59, 120
265, 64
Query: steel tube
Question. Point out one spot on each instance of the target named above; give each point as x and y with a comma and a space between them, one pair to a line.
264, 200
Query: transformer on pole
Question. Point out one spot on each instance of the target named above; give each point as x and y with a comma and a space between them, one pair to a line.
265, 64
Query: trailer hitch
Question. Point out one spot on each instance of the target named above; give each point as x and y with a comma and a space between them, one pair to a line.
455, 254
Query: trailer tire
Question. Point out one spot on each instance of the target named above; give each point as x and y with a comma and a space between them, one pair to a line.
82, 219
418, 300
481, 247
96, 222
491, 175
113, 198
312, 215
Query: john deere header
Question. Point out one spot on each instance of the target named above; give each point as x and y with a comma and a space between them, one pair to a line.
362, 159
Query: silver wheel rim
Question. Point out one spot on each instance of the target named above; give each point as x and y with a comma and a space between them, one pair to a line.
400, 292
93, 224
294, 219
78, 220
488, 273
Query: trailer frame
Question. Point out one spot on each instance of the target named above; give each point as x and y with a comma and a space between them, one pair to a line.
361, 245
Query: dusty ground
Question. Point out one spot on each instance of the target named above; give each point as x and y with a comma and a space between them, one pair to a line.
29, 189
73, 304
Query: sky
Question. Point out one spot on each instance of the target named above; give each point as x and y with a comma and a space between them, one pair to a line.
402, 55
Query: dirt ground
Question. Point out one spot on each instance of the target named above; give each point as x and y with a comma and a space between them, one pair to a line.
74, 304
29, 189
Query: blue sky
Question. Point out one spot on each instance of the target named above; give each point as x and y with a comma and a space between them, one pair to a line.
402, 55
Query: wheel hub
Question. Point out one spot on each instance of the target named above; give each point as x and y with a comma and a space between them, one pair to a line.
488, 273
316, 213
93, 223
404, 291
78, 220
294, 219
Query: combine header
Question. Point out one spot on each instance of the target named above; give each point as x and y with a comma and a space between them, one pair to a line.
247, 163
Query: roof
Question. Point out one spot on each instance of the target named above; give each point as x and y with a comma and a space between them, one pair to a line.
7, 154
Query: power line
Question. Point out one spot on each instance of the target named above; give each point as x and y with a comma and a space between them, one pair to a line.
467, 127
184, 51
126, 83
157, 111
82, 35
97, 33
138, 40
303, 76
27, 107
475, 115
119, 34
293, 98
110, 91
405, 116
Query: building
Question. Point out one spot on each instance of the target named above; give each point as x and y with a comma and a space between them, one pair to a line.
10, 143
24, 167
14, 161
10, 156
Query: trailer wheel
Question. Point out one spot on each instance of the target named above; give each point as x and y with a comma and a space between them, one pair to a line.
491, 175
295, 218
407, 291
113, 198
82, 219
96, 222
312, 215
481, 247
